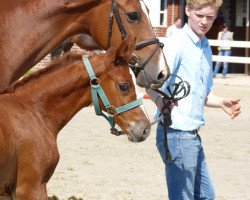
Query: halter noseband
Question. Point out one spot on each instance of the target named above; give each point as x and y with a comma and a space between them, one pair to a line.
136, 67
97, 91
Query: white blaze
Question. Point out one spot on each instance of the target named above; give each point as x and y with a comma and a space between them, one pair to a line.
136, 91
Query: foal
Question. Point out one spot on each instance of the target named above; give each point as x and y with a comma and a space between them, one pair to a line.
36, 108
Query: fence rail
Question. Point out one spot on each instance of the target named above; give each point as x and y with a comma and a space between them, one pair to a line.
238, 44
231, 59
235, 44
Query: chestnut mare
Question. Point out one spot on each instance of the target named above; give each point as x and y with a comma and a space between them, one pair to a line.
36, 108
30, 29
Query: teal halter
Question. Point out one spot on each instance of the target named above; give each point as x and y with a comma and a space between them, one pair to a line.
96, 90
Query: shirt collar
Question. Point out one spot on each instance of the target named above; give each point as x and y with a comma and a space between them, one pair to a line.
196, 40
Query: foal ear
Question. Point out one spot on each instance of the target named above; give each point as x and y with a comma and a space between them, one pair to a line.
73, 4
124, 52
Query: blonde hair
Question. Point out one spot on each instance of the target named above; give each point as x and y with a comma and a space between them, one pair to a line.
197, 4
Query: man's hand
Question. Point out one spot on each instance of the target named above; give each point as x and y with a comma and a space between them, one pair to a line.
161, 102
231, 107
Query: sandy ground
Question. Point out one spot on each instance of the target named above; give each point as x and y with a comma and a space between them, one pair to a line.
96, 165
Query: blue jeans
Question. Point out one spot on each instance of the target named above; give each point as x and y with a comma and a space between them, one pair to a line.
187, 175
225, 66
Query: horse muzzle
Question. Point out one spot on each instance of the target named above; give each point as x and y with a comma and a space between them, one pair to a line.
144, 77
139, 132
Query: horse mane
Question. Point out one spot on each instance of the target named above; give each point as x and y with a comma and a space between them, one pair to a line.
54, 65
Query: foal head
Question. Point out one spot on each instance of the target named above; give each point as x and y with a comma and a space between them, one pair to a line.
119, 87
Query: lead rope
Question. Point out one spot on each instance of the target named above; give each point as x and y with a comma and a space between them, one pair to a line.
177, 91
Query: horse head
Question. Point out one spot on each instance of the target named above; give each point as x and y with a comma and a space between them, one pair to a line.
120, 89
110, 23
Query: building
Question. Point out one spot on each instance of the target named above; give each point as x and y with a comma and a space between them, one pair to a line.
235, 13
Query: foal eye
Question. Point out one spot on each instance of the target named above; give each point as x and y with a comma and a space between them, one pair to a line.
133, 17
124, 87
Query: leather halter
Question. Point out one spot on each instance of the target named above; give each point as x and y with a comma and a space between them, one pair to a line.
114, 11
136, 67
98, 93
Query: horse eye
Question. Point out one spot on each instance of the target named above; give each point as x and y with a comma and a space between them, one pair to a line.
124, 87
133, 17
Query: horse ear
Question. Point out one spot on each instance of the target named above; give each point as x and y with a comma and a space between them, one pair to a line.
124, 52
73, 4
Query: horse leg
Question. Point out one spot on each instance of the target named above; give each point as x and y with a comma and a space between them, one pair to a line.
31, 191
31, 184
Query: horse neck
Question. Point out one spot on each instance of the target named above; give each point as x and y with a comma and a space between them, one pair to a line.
35, 38
59, 95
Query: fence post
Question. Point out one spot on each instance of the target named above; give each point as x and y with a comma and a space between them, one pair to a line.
247, 37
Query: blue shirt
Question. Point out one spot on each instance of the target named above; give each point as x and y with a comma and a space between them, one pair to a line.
191, 59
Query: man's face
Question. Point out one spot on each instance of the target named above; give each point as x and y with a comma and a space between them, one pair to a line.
225, 29
201, 20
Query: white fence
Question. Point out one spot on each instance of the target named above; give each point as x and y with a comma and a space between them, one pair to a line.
231, 59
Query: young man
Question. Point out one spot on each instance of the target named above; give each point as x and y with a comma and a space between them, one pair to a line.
189, 56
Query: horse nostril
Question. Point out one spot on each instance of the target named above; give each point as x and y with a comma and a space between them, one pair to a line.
163, 75
146, 133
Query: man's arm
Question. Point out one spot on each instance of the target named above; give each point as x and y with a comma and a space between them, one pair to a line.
229, 105
155, 97
159, 100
